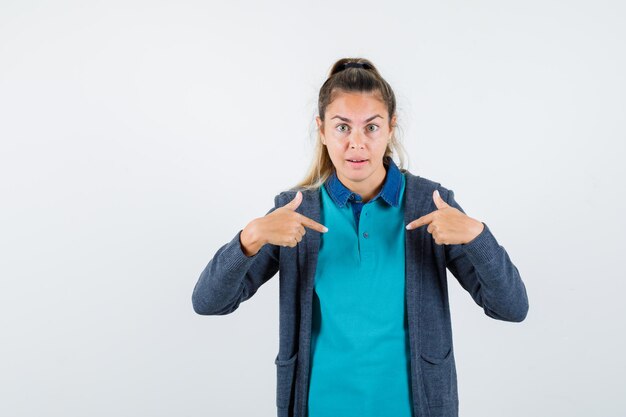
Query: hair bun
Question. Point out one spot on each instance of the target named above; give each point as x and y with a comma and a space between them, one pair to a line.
363, 65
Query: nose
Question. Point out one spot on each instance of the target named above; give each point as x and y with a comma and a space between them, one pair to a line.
356, 140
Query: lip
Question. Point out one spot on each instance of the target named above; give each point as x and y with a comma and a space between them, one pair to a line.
357, 164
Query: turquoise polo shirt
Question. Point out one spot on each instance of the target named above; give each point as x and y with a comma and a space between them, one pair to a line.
359, 338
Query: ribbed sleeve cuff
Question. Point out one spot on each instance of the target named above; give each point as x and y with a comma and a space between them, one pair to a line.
234, 257
482, 248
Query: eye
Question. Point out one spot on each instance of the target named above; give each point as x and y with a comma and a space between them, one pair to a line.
343, 124
374, 130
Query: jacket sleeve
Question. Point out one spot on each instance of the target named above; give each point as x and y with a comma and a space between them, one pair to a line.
231, 277
484, 269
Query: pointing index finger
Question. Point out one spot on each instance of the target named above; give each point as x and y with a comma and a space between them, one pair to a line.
425, 219
312, 224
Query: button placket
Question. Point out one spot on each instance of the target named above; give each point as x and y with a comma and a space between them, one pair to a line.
367, 263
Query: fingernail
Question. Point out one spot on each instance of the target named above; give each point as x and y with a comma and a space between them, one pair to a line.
325, 229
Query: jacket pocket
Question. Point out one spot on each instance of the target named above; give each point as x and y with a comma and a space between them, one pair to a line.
285, 371
438, 377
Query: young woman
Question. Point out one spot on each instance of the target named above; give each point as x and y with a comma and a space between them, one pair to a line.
362, 247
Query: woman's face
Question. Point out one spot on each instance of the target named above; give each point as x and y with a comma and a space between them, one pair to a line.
356, 127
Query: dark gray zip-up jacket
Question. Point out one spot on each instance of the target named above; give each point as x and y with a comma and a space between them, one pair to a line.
481, 266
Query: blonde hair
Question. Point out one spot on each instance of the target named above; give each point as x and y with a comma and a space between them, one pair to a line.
352, 79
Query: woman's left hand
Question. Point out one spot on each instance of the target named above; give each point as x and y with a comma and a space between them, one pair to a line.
448, 225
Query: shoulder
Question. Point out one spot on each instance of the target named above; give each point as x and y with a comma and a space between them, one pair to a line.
308, 195
419, 185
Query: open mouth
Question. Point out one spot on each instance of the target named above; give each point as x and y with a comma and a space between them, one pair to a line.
357, 162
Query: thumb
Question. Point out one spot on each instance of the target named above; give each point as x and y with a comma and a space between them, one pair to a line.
438, 200
295, 203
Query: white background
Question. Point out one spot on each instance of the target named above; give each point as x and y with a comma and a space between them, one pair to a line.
138, 137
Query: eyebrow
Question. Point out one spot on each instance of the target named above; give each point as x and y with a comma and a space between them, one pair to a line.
345, 119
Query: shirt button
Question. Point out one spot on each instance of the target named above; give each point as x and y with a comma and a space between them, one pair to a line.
365, 235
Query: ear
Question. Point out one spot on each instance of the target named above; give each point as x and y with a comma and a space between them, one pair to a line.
319, 122
393, 125
320, 128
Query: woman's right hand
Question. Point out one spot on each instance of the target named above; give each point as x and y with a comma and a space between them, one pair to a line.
283, 226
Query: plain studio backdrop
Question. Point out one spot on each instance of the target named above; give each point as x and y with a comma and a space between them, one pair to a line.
138, 137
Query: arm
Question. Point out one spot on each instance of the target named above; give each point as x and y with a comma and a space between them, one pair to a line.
484, 269
231, 277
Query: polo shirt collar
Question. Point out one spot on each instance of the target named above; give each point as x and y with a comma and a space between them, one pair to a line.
389, 193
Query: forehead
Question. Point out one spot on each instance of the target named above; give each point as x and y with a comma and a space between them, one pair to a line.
356, 104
